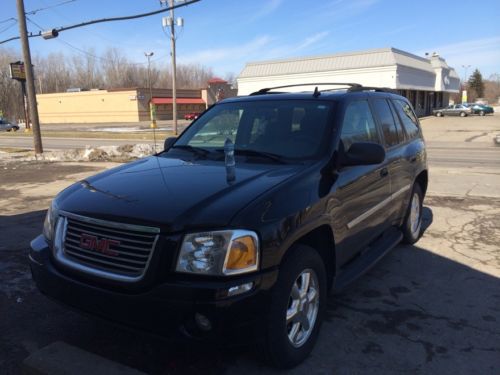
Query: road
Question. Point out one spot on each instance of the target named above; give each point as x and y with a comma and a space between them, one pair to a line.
443, 154
451, 154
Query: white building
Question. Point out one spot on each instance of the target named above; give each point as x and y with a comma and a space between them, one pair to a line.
426, 82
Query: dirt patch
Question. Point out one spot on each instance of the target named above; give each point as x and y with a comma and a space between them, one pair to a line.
38, 172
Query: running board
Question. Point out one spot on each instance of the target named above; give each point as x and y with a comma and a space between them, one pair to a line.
367, 258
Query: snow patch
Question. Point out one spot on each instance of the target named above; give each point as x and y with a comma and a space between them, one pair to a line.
101, 153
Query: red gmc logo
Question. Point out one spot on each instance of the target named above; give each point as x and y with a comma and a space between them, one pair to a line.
103, 245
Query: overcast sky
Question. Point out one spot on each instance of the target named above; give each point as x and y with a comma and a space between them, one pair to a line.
225, 34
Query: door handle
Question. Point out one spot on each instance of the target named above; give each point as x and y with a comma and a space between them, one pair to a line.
384, 172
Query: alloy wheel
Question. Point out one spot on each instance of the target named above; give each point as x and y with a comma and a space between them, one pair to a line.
303, 307
415, 219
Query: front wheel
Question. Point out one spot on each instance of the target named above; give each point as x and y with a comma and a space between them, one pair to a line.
439, 114
481, 113
463, 114
412, 225
296, 311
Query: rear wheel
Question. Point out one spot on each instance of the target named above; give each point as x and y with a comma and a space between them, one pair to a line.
439, 114
463, 114
296, 312
412, 225
481, 113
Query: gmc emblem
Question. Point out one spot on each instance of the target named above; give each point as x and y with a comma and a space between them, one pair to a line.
103, 245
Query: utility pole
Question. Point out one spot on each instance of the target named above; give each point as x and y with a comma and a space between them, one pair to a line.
30, 83
174, 66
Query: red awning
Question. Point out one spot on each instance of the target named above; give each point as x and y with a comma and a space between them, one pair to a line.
178, 101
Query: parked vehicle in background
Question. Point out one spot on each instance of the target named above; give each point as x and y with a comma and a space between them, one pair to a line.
453, 110
191, 116
479, 109
245, 222
6, 126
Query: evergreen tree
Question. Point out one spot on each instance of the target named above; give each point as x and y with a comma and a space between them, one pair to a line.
476, 83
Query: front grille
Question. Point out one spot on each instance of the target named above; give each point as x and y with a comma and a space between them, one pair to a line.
111, 249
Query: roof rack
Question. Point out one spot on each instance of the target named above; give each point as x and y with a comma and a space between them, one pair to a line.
369, 88
316, 92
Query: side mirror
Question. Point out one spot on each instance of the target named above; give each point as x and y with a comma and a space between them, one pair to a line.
364, 153
169, 143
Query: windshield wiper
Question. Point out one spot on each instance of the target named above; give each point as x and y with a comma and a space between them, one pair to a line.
196, 150
268, 155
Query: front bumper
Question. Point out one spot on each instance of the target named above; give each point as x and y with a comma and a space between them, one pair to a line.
166, 308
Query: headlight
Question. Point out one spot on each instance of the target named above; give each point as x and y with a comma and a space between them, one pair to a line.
50, 221
225, 252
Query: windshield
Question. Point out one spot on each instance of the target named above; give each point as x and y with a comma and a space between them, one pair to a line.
293, 129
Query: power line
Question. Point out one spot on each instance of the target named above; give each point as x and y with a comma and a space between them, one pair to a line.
103, 58
33, 12
9, 26
93, 32
8, 19
89, 53
112, 19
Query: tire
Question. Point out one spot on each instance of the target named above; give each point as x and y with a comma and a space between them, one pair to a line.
439, 114
481, 113
412, 225
463, 114
282, 348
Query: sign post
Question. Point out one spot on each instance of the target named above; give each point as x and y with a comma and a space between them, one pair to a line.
18, 73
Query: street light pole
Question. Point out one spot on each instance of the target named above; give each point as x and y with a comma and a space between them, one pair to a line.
30, 82
464, 91
466, 67
152, 111
174, 66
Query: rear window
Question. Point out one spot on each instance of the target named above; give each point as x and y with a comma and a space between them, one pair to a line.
408, 118
384, 115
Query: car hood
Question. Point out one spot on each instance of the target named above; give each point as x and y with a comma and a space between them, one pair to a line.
172, 193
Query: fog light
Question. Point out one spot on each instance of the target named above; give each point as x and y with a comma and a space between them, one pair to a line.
203, 322
235, 290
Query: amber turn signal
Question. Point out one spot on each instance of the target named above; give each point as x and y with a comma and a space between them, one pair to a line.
242, 254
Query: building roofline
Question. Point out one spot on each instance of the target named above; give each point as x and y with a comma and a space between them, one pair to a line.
341, 54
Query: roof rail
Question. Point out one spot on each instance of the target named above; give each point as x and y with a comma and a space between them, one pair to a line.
267, 89
368, 88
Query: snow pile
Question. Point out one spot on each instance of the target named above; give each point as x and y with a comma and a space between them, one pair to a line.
101, 153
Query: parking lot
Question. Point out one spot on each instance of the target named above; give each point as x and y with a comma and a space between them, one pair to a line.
429, 308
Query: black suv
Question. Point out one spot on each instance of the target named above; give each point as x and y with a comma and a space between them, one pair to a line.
245, 222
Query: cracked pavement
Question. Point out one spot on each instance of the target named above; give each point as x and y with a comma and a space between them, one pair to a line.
431, 308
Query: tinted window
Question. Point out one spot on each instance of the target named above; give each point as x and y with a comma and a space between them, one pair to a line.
384, 115
358, 124
407, 117
292, 129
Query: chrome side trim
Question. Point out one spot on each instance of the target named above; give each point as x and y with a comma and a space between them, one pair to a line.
377, 207
401, 191
59, 250
104, 223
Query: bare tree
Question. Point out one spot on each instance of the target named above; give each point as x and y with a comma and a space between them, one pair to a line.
85, 70
58, 72
11, 102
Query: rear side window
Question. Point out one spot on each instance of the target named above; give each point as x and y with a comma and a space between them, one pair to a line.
384, 115
358, 124
408, 118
